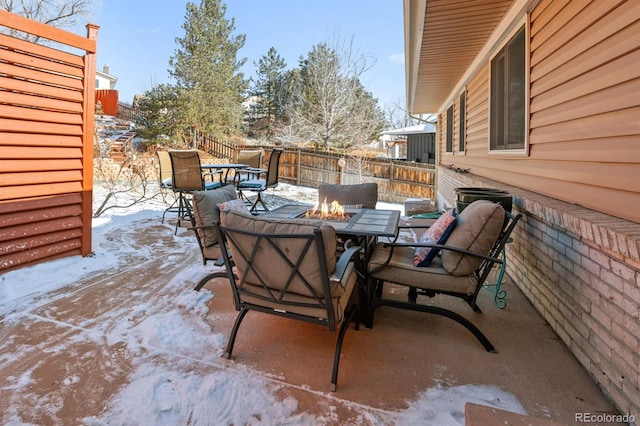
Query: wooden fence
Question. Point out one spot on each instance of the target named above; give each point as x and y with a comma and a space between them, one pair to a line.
397, 180
46, 142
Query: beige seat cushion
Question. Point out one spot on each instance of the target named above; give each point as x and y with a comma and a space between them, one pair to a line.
270, 265
433, 277
207, 213
478, 228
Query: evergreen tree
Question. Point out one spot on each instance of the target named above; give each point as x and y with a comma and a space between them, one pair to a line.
266, 112
207, 71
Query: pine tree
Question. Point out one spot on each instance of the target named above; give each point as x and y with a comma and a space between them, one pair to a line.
267, 113
207, 71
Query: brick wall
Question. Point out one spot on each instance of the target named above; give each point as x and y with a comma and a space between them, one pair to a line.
581, 270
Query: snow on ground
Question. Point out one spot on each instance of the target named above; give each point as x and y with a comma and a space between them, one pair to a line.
180, 394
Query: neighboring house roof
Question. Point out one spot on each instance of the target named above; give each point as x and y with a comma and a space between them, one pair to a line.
440, 55
412, 130
102, 75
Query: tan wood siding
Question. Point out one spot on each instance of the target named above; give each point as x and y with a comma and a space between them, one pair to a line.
46, 143
584, 131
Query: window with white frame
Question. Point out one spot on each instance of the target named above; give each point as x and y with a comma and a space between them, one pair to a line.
509, 96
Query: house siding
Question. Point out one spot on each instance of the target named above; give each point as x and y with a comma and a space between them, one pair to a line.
584, 136
575, 254
46, 143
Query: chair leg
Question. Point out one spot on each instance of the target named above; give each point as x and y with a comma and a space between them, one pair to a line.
259, 200
171, 208
234, 332
336, 358
222, 274
437, 311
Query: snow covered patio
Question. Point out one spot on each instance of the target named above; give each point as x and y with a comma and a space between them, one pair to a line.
121, 338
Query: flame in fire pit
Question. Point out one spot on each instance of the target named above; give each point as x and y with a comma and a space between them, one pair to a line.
326, 211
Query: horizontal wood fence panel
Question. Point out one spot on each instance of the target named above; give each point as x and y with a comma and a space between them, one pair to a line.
43, 127
32, 191
46, 142
25, 152
41, 102
10, 166
46, 239
54, 92
24, 139
42, 227
26, 207
41, 50
34, 77
47, 64
40, 215
39, 115
30, 178
57, 250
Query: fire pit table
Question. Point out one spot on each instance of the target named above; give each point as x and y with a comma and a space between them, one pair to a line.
363, 226
357, 222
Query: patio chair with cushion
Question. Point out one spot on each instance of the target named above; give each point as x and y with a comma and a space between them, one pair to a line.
187, 178
165, 181
205, 214
362, 195
260, 185
253, 159
288, 269
465, 259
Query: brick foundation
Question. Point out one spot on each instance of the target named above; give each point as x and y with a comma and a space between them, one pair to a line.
581, 270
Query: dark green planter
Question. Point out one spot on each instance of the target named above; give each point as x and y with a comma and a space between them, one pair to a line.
466, 196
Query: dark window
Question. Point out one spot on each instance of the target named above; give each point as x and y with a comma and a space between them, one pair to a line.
508, 95
463, 121
450, 129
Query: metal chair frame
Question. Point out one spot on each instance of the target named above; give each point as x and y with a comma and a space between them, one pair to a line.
274, 297
261, 185
482, 272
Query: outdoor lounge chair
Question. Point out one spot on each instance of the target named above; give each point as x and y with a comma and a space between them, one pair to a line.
466, 259
261, 185
288, 269
205, 215
361, 195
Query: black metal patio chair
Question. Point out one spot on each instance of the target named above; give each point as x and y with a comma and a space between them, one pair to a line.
288, 269
460, 270
260, 185
187, 177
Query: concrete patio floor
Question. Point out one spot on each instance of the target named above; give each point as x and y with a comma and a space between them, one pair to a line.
382, 369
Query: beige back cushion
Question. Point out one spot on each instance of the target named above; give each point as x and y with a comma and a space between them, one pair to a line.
478, 228
269, 264
206, 212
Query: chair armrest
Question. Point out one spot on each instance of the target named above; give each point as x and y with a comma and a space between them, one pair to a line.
445, 247
343, 261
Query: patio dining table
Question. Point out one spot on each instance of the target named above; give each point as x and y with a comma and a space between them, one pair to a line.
224, 168
363, 225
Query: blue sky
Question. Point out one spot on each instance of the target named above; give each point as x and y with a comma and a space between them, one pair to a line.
137, 37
